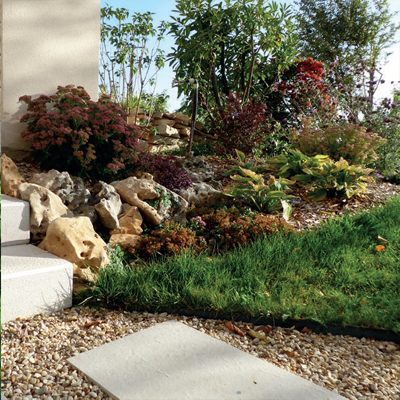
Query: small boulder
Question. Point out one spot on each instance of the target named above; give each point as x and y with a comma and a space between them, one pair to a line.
75, 240
10, 177
60, 183
45, 207
134, 191
199, 193
197, 168
71, 191
166, 204
107, 204
126, 241
130, 221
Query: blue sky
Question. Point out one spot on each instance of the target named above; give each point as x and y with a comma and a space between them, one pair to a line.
162, 11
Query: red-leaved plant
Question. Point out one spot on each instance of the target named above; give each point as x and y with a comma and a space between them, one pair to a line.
239, 125
70, 132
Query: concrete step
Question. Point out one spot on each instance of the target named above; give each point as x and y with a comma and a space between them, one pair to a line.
33, 281
173, 361
14, 221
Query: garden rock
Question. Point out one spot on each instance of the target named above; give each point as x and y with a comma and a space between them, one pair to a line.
45, 207
80, 200
71, 191
197, 168
60, 183
107, 204
10, 177
130, 221
172, 207
134, 191
126, 241
199, 193
75, 240
166, 204
168, 131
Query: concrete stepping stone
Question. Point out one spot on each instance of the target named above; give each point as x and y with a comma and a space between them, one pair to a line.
173, 361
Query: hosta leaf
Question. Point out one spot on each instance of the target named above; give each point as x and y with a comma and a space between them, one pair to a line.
317, 194
251, 174
302, 178
287, 209
275, 194
239, 178
241, 156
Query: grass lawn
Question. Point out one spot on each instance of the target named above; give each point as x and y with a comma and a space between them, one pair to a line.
333, 274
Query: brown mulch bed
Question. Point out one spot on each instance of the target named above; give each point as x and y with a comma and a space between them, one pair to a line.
306, 214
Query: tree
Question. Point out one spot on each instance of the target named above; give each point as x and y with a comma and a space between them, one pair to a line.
127, 61
345, 31
229, 46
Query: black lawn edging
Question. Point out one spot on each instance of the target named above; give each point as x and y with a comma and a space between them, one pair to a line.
316, 327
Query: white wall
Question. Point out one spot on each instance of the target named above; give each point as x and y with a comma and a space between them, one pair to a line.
44, 44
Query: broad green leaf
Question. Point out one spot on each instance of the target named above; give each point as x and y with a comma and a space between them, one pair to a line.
317, 194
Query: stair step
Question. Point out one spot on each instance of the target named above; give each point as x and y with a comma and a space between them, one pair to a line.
14, 221
33, 281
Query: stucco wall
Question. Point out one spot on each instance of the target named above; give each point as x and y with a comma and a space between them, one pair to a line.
45, 43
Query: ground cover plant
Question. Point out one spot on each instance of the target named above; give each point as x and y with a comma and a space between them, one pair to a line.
347, 271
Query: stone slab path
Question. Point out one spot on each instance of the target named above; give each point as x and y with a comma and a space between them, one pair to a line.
173, 361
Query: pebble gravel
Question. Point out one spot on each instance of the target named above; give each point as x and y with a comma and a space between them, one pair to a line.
34, 353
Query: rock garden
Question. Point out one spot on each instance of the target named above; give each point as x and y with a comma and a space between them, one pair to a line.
228, 236
272, 222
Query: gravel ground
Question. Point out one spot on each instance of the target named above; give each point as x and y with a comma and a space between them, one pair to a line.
34, 353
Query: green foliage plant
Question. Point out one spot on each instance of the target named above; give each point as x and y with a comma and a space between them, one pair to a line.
238, 37
148, 102
385, 120
335, 179
73, 133
293, 162
267, 197
346, 31
354, 143
130, 55
244, 162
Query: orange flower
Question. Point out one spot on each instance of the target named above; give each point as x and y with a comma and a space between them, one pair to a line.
380, 248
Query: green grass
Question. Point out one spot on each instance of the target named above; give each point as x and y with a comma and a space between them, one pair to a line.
333, 274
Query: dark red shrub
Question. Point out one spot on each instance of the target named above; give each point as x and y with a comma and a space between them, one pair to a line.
164, 171
239, 125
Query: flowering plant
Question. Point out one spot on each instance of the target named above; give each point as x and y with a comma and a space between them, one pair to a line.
303, 90
84, 137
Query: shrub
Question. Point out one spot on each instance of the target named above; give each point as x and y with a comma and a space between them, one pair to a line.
216, 230
303, 91
334, 179
75, 134
170, 239
228, 228
265, 197
239, 125
164, 171
354, 143
385, 121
